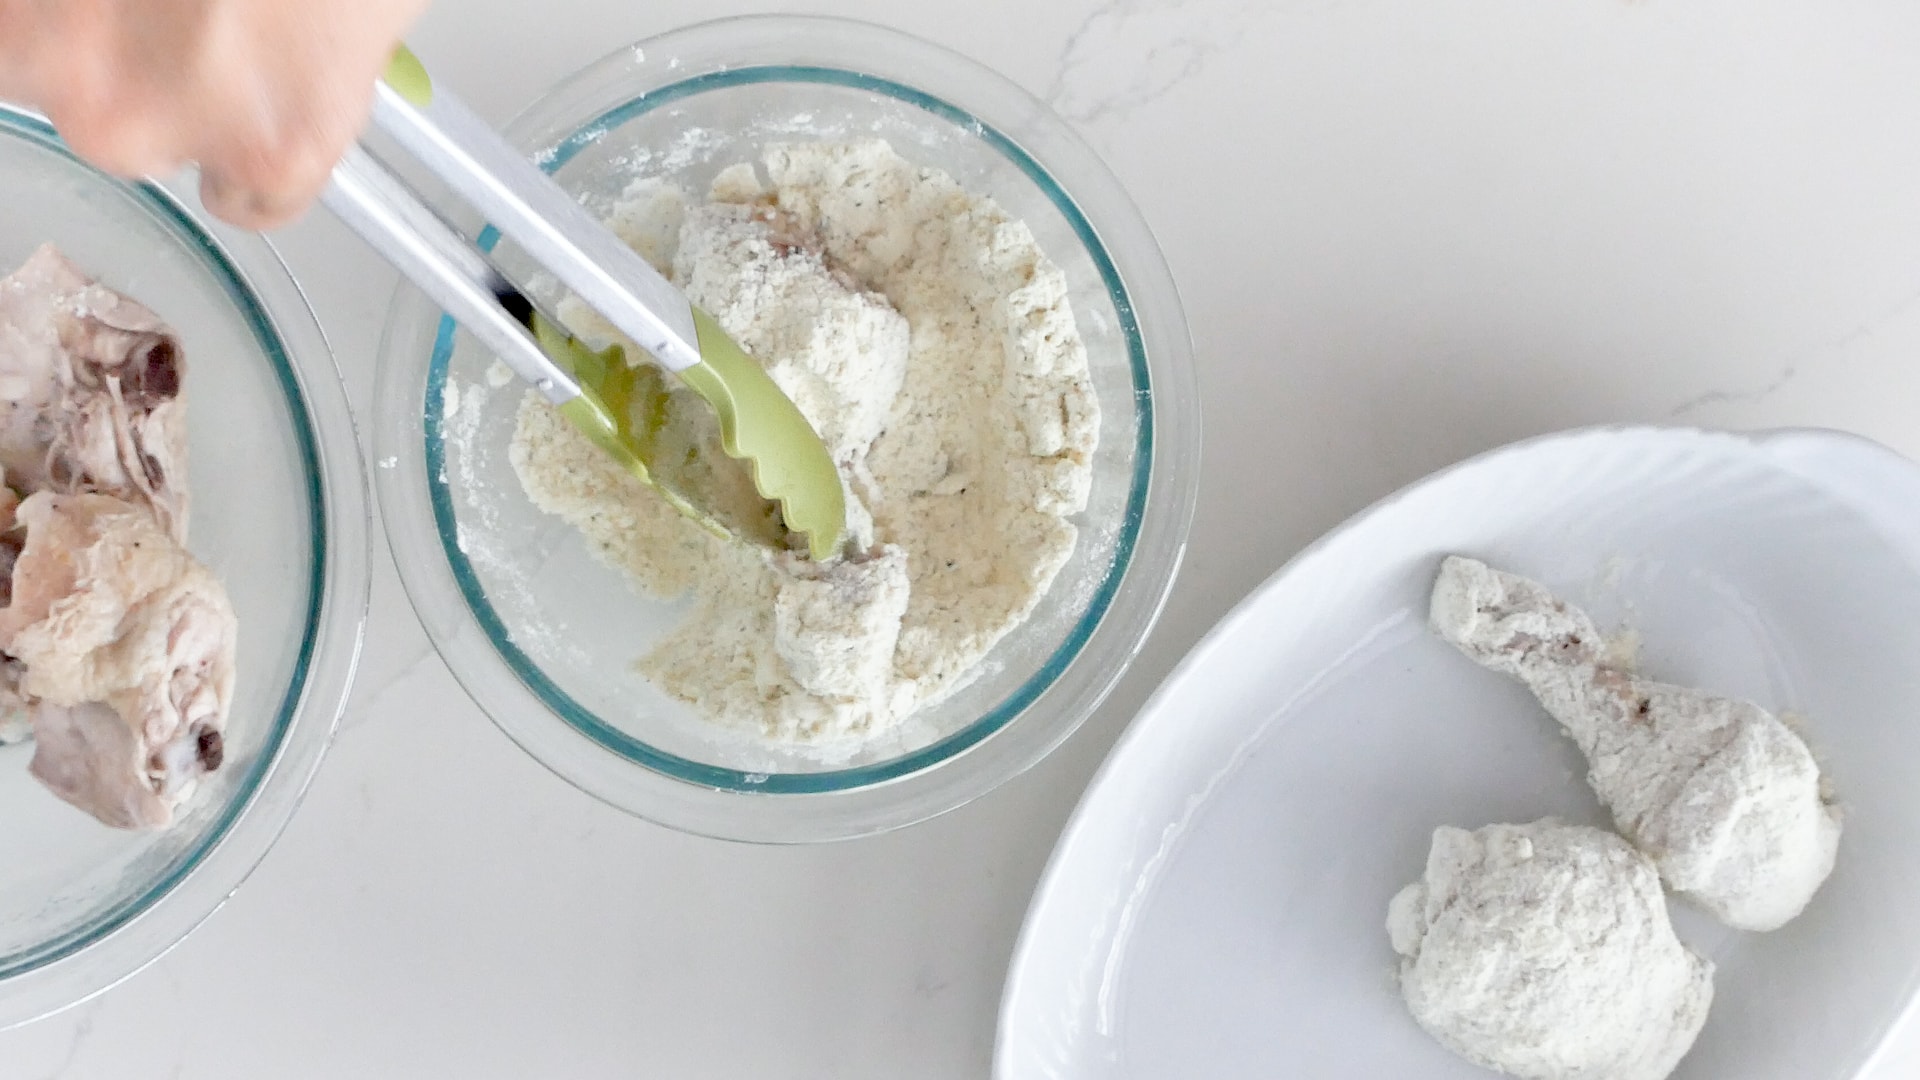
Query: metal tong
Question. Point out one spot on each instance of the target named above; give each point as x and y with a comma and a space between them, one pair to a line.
759, 424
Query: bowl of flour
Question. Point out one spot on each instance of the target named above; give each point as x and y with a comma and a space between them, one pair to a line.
961, 299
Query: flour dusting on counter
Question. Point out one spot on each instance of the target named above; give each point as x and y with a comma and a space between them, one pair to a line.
930, 341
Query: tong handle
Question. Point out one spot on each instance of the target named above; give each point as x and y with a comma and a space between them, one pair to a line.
387, 214
523, 202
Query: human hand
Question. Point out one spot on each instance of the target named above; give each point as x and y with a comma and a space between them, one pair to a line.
264, 95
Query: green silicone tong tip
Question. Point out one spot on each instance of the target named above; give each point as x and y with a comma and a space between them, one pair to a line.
622, 407
759, 426
610, 397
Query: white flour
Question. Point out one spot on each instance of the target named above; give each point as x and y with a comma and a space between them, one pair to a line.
1545, 951
930, 341
1725, 798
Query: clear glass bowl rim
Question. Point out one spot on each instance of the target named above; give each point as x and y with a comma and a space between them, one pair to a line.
809, 806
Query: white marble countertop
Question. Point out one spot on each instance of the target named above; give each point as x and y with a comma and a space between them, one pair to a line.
1406, 231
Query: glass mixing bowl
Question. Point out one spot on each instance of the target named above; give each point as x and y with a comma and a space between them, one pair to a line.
279, 512
545, 638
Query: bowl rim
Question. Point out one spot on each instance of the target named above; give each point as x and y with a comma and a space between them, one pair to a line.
1156, 489
958, 741
122, 939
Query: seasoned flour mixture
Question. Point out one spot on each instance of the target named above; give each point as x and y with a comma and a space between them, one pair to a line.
1544, 951
1719, 793
930, 341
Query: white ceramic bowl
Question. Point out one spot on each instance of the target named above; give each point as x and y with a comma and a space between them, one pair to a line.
1216, 907
545, 638
279, 512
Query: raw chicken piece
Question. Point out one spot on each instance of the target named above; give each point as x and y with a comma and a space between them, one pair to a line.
118, 646
15, 725
1722, 796
127, 646
16, 722
90, 392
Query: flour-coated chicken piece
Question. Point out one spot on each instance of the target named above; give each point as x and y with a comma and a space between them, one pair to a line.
1724, 798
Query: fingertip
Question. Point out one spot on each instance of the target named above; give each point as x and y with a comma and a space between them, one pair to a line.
261, 190
246, 207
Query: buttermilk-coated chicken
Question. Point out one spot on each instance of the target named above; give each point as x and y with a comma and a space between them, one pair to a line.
116, 646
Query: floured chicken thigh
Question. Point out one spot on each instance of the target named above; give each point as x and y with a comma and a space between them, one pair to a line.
126, 648
117, 646
1544, 951
1721, 795
90, 392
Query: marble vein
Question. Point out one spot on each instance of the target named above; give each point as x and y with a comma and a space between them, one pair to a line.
371, 693
1834, 348
1712, 398
1846, 340
1130, 53
81, 1031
